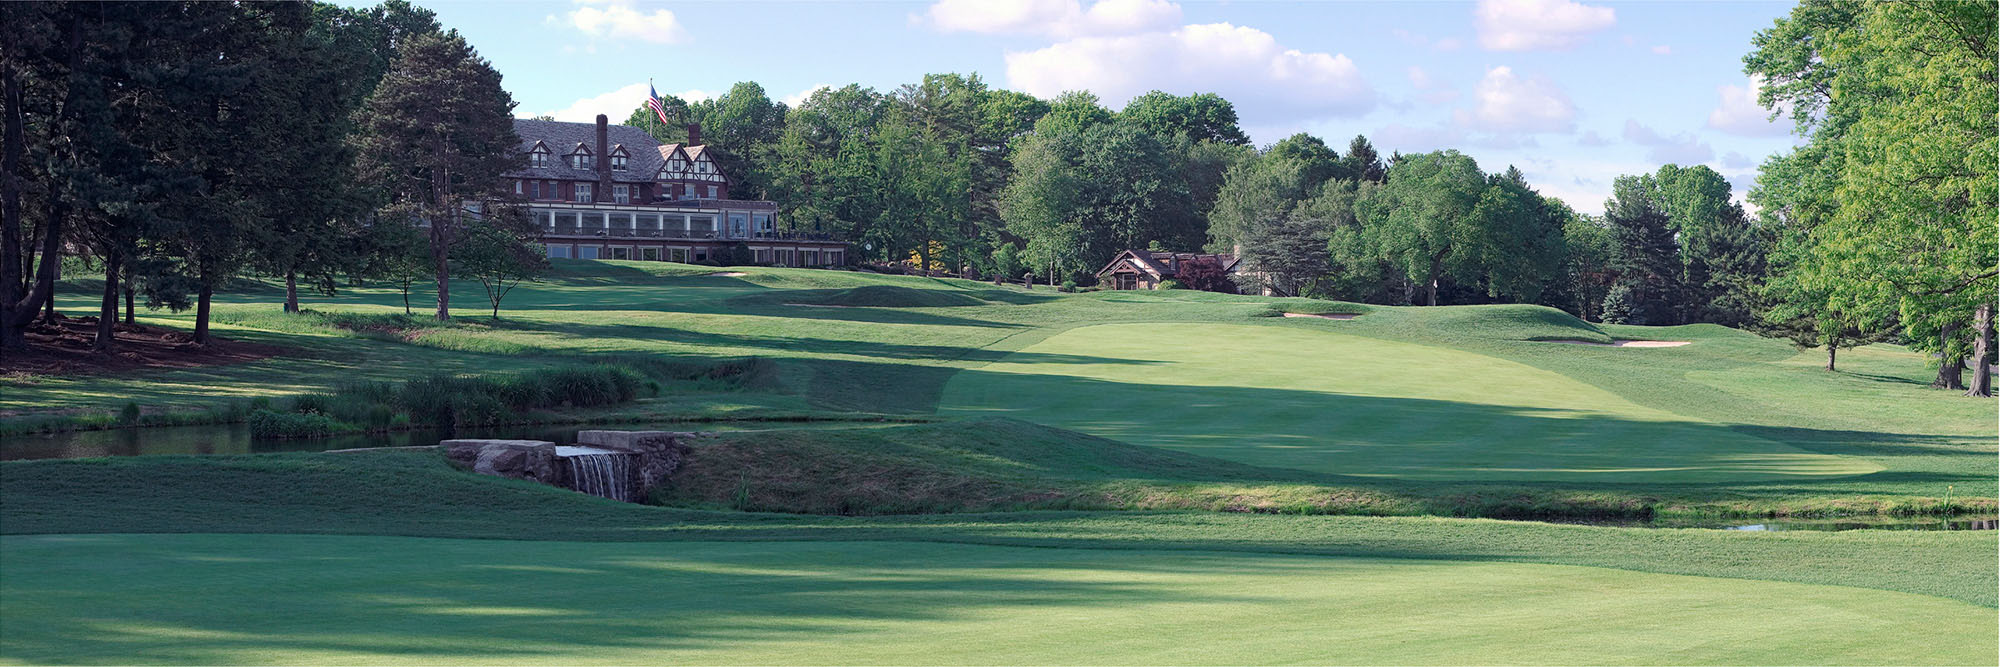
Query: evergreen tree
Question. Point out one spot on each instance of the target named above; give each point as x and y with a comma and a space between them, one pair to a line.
1363, 163
439, 133
1645, 255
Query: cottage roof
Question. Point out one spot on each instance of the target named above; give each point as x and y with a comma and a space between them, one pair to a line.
643, 160
1166, 264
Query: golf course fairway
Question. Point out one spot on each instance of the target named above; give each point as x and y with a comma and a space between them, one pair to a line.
298, 599
1310, 399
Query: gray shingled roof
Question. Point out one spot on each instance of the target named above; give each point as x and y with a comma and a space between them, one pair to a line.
641, 149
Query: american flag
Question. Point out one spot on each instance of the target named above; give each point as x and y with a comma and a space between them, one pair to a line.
659, 107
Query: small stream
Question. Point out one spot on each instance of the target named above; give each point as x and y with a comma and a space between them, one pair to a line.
236, 439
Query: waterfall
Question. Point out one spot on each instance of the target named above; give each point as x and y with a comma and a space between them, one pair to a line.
606, 475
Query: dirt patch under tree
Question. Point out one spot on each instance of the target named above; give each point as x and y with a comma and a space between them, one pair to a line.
62, 347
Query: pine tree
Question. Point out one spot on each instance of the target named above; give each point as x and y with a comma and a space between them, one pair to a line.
437, 135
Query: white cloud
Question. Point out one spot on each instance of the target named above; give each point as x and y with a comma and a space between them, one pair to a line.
1245, 65
1430, 90
1681, 148
1737, 112
1528, 25
617, 104
794, 99
1735, 160
1663, 50
619, 20
1506, 102
1592, 138
1053, 18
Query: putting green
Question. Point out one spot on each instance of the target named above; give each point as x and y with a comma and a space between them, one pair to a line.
297, 599
1300, 397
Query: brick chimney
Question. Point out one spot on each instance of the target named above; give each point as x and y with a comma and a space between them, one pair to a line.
603, 193
694, 134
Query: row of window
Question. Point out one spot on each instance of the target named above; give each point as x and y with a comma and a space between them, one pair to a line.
690, 225
584, 193
779, 256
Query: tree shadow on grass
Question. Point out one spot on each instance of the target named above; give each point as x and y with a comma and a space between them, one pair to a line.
224, 599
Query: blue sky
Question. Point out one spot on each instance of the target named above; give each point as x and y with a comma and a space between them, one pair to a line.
1574, 93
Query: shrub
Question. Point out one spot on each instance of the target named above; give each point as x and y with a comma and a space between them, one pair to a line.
312, 404
129, 414
1067, 286
1171, 284
268, 424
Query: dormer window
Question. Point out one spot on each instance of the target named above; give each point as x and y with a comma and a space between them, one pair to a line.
582, 161
618, 163
539, 157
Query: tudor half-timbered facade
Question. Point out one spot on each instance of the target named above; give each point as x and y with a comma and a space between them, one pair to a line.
613, 192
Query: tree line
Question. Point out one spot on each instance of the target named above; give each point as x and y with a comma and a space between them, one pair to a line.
950, 174
173, 147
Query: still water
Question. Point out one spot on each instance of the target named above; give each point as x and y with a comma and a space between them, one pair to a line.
1974, 522
235, 438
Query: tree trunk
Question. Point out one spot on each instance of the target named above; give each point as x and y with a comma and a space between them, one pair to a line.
1951, 367
49, 302
1831, 351
131, 316
204, 295
1982, 353
441, 263
291, 292
443, 284
107, 311
406, 296
12, 281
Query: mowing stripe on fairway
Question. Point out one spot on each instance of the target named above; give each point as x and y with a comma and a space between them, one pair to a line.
1327, 402
296, 599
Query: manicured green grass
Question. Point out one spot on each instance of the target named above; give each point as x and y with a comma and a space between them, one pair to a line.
1327, 402
1211, 402
415, 493
213, 599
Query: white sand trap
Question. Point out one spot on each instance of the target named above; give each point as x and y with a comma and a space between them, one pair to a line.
1622, 343
726, 274
1329, 316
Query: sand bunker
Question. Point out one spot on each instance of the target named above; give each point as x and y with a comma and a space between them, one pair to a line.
1622, 343
726, 274
1326, 316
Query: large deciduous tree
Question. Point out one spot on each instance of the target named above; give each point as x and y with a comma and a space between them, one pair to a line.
438, 137
1423, 221
1896, 100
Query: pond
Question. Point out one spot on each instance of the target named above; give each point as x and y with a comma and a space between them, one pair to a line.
236, 439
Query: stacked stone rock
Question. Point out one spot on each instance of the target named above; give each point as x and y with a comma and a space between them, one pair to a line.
655, 455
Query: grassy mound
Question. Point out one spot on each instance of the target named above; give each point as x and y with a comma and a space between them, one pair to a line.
1515, 322
965, 466
876, 296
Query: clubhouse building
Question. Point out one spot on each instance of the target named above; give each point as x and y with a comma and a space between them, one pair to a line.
613, 192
